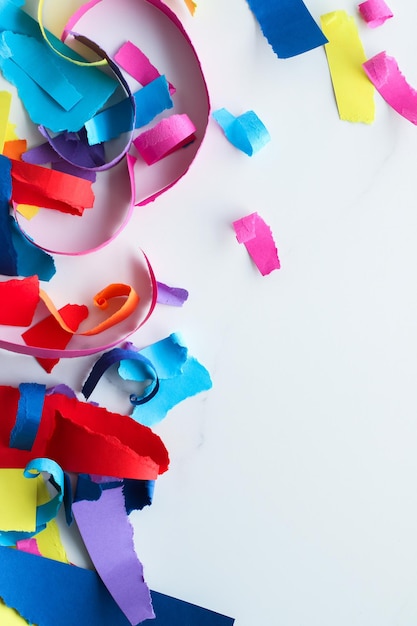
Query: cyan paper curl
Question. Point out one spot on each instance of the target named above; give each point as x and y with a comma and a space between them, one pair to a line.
246, 132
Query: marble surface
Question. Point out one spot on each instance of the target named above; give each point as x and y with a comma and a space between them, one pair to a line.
291, 494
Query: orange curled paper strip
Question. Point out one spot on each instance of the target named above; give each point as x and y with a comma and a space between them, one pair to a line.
41, 186
84, 438
18, 301
101, 300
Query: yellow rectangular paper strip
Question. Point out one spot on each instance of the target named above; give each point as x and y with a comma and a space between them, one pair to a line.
353, 90
5, 104
18, 496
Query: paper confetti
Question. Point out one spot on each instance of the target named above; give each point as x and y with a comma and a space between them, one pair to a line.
257, 237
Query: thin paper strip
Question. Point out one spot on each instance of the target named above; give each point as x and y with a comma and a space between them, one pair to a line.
345, 55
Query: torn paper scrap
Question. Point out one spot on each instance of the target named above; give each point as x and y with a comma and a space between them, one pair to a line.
108, 536
84, 438
152, 99
172, 296
8, 256
180, 375
28, 416
383, 71
30, 258
168, 135
5, 104
191, 6
18, 497
257, 237
137, 64
19, 298
375, 12
246, 132
354, 93
288, 26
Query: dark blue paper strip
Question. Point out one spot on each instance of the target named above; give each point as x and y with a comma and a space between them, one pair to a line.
28, 416
8, 256
288, 26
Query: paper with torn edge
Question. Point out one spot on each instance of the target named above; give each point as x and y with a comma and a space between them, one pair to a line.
30, 258
10, 617
172, 296
80, 594
375, 12
345, 55
108, 536
48, 333
257, 237
165, 137
5, 104
246, 132
383, 71
8, 256
288, 26
44, 512
84, 438
152, 99
19, 298
180, 376
137, 64
18, 497
41, 186
28, 416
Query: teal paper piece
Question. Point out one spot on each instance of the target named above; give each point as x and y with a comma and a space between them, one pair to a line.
95, 87
30, 258
246, 132
152, 99
180, 376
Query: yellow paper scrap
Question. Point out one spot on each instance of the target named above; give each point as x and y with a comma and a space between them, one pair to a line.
353, 90
27, 210
49, 540
191, 5
5, 104
10, 617
11, 134
18, 496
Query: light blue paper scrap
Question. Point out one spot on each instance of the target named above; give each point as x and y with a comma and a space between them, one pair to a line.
35, 60
94, 86
246, 132
152, 99
180, 376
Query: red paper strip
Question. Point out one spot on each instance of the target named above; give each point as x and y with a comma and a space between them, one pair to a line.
84, 438
41, 186
48, 333
18, 301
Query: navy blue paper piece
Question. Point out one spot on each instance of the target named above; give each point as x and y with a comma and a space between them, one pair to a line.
8, 256
173, 612
288, 26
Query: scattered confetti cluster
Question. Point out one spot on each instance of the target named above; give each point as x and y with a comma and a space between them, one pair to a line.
101, 465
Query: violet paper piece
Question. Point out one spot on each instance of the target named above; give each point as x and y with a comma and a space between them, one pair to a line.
172, 296
257, 237
375, 12
383, 71
108, 536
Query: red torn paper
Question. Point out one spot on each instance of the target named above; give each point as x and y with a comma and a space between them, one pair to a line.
18, 300
41, 186
84, 438
48, 333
